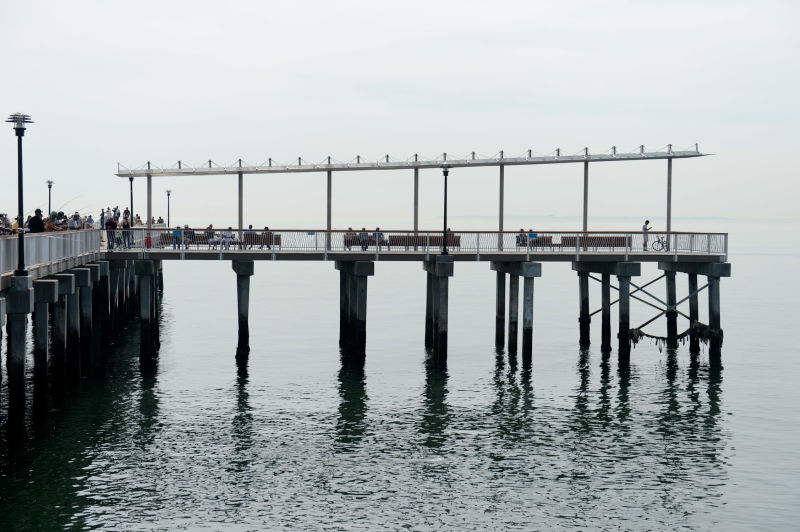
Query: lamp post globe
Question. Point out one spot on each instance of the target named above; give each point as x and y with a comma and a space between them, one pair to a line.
20, 120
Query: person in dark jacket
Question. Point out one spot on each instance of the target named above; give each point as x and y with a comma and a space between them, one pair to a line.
36, 224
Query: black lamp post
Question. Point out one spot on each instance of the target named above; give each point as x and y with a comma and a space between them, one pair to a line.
168, 194
132, 218
19, 120
49, 195
445, 171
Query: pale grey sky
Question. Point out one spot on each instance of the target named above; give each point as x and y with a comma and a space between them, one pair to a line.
129, 82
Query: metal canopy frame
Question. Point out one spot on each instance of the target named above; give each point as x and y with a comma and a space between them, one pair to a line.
329, 166
272, 167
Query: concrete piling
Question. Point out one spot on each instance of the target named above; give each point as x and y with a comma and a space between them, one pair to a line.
96, 330
584, 319
244, 270
360, 323
83, 281
714, 322
343, 318
435, 314
102, 305
528, 271
353, 302
145, 273
605, 325
624, 336
527, 316
513, 312
671, 313
66, 288
694, 314
45, 293
116, 318
713, 272
20, 303
73, 360
440, 267
429, 311
624, 271
500, 311
157, 287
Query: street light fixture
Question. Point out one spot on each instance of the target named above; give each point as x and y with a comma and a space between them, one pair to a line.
446, 172
49, 195
168, 194
19, 120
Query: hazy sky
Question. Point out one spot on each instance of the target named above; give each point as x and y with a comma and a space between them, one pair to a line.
129, 82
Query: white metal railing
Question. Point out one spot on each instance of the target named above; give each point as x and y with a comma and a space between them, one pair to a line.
378, 241
46, 248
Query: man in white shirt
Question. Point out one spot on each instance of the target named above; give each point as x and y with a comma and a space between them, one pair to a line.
75, 222
645, 229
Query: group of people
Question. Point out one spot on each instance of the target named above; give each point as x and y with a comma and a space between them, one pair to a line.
38, 223
118, 226
524, 238
362, 238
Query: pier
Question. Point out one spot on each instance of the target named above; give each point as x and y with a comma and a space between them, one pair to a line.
90, 283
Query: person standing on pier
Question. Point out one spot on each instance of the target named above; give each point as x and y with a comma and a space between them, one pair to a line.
36, 224
645, 228
176, 237
111, 228
127, 236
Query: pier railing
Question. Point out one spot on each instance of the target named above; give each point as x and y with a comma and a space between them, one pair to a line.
43, 249
379, 242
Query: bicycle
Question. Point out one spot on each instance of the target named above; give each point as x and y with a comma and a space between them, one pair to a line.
659, 244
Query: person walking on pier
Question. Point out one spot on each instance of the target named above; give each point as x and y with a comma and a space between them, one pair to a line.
645, 228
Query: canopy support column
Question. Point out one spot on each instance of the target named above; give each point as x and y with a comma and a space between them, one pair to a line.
585, 196
328, 235
500, 209
669, 201
241, 203
416, 200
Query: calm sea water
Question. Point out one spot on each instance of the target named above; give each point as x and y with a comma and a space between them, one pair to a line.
295, 439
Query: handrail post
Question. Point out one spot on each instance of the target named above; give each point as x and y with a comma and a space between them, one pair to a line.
427, 246
628, 246
674, 246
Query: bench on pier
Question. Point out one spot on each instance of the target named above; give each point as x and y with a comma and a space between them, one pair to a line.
261, 240
535, 242
420, 241
592, 241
